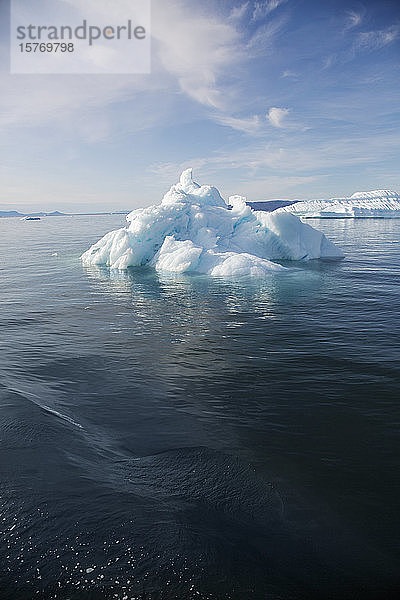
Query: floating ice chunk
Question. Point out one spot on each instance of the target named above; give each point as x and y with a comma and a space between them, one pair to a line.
294, 242
193, 229
377, 203
233, 264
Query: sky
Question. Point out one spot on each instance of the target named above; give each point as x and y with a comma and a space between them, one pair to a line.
267, 99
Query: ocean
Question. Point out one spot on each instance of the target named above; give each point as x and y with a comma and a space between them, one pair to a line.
184, 437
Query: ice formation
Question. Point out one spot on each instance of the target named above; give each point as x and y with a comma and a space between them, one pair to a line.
193, 229
378, 203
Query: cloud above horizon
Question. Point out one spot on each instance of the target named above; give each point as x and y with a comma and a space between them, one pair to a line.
353, 18
277, 116
230, 81
264, 8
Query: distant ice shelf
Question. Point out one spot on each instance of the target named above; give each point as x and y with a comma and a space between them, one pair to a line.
377, 203
194, 229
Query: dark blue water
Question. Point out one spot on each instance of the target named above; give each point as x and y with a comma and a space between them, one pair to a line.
188, 438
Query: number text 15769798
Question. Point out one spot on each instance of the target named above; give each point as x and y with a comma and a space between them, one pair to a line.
47, 47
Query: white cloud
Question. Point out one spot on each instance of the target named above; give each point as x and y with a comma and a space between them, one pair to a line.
256, 187
262, 40
195, 49
373, 40
329, 61
194, 55
189, 43
290, 163
290, 74
276, 116
32, 100
238, 12
353, 19
274, 186
191, 53
248, 125
262, 9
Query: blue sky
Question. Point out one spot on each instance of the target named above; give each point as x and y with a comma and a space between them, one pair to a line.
267, 99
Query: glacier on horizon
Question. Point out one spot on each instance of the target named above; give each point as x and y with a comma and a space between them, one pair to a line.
194, 229
377, 203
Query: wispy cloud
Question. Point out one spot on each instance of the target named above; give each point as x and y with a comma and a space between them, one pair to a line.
265, 36
36, 100
249, 125
196, 49
353, 19
277, 116
263, 9
329, 61
287, 165
238, 12
215, 74
274, 186
374, 40
191, 54
256, 187
290, 74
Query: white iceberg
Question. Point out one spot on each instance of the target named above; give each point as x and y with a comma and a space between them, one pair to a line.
377, 203
193, 229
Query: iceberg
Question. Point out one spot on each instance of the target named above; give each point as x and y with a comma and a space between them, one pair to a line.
194, 229
377, 203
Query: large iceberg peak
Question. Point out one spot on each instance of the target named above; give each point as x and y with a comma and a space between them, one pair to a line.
193, 229
186, 182
188, 191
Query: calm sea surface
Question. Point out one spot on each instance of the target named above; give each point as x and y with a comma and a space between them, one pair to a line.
187, 438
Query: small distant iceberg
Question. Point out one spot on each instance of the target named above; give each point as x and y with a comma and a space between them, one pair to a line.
194, 229
377, 203
28, 218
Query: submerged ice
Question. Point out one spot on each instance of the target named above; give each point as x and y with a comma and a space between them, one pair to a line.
194, 229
